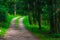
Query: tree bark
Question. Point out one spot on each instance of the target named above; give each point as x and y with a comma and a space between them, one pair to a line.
15, 9
34, 13
39, 20
29, 15
53, 18
39, 10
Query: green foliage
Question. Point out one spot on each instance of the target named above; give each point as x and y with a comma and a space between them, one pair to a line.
17, 22
15, 1
22, 9
3, 8
3, 14
6, 25
41, 34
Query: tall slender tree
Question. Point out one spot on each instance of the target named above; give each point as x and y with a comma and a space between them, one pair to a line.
39, 10
3, 10
52, 16
29, 14
34, 11
14, 2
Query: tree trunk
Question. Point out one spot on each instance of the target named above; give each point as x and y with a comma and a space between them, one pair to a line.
39, 10
39, 20
29, 15
58, 17
52, 23
34, 13
15, 9
53, 18
34, 18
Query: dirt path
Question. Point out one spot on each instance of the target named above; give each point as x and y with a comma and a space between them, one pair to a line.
18, 34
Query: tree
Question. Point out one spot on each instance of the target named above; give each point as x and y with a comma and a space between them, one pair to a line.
53, 16
13, 2
29, 14
39, 10
33, 3
3, 10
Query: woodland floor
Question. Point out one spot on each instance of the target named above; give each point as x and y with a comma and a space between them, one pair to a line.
19, 33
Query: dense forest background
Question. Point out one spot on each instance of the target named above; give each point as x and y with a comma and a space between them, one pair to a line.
44, 13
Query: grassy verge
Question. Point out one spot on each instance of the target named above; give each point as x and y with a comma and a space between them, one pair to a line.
17, 22
4, 28
38, 33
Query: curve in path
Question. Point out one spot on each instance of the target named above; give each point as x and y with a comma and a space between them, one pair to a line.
19, 34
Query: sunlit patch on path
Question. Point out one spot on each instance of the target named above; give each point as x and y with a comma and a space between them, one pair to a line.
18, 34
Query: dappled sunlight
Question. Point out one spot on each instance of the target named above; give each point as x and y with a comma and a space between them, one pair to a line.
30, 19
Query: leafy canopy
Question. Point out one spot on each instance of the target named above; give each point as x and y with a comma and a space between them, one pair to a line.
3, 8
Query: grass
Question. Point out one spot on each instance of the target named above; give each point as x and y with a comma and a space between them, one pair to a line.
38, 33
5, 26
17, 21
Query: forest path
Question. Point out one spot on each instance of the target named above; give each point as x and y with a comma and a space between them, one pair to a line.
20, 33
